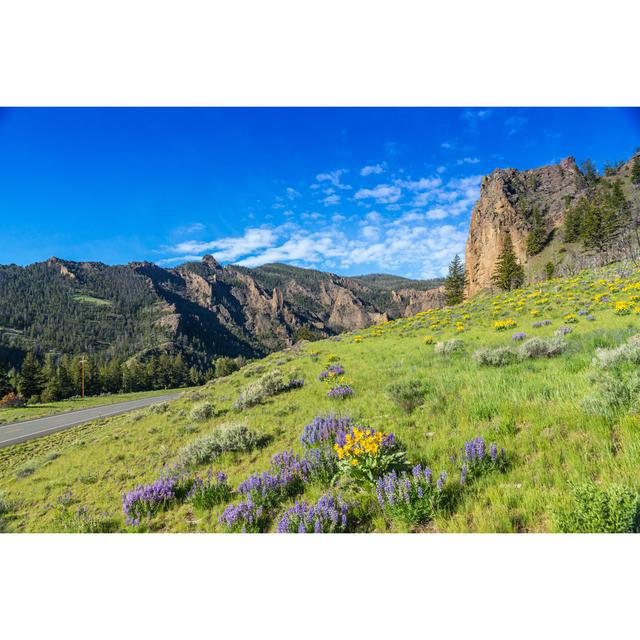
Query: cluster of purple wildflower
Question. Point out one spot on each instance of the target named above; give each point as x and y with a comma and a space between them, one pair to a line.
542, 323
286, 477
476, 459
147, 499
563, 331
341, 391
413, 497
521, 335
328, 515
208, 492
590, 317
296, 383
325, 429
333, 370
246, 516
583, 312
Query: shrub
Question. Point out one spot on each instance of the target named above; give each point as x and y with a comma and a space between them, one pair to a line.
328, 515
206, 494
12, 401
629, 352
159, 407
613, 393
413, 498
449, 346
408, 394
201, 412
366, 454
497, 357
597, 509
81, 520
542, 348
27, 469
4, 504
270, 384
226, 438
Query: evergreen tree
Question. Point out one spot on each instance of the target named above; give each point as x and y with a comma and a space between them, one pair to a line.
5, 385
549, 269
590, 173
509, 274
31, 378
51, 390
635, 170
537, 237
454, 283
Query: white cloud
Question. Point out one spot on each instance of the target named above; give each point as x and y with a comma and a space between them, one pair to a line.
382, 194
441, 169
228, 249
371, 169
332, 199
447, 145
420, 185
292, 194
334, 178
468, 161
194, 227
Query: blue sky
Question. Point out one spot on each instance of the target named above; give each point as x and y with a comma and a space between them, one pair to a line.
352, 191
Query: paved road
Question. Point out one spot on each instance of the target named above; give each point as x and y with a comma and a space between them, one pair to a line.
22, 431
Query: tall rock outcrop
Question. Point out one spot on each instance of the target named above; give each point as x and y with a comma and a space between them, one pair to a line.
508, 198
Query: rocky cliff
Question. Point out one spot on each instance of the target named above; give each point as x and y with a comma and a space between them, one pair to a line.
508, 199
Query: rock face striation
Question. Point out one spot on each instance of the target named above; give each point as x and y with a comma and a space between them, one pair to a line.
508, 198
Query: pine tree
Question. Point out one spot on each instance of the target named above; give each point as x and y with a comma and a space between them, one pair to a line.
537, 237
454, 283
635, 170
5, 385
31, 379
509, 274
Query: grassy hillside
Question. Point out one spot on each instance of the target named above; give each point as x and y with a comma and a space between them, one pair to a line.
562, 421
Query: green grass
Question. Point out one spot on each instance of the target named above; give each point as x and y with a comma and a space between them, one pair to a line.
531, 408
74, 404
91, 300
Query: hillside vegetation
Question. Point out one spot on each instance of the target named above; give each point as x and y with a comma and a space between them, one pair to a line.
508, 413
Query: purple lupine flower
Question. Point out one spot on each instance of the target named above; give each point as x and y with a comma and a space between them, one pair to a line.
328, 515
583, 312
563, 331
493, 451
463, 474
324, 429
519, 336
542, 323
245, 516
590, 318
296, 383
441, 480
341, 392
335, 370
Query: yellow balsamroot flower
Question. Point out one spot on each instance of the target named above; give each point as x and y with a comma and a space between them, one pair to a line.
622, 307
428, 339
502, 325
357, 339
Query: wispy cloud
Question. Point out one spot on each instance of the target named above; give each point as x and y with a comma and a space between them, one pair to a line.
473, 118
514, 124
467, 160
334, 178
382, 194
373, 169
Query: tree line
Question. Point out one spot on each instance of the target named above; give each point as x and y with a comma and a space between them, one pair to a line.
60, 377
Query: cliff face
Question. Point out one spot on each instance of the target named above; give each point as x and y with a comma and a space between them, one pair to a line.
507, 200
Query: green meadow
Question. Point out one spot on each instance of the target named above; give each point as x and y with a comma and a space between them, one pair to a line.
561, 420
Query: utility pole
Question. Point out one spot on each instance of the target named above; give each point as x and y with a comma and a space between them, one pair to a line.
83, 361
